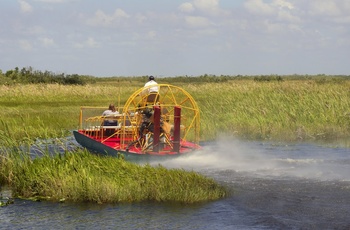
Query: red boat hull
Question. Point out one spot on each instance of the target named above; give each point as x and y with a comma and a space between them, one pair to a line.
113, 147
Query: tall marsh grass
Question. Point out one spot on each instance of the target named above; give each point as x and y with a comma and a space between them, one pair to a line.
80, 176
287, 110
51, 110
290, 110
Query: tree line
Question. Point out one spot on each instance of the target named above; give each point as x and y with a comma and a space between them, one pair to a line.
27, 75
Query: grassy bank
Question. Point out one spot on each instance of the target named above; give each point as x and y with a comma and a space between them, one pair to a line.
81, 176
288, 110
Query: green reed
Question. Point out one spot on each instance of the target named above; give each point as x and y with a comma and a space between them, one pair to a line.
31, 111
80, 176
287, 110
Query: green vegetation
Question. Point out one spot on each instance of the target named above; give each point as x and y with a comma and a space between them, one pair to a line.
30, 76
270, 108
5, 201
288, 110
81, 176
277, 108
47, 110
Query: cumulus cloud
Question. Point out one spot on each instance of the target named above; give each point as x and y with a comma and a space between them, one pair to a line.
282, 10
254, 27
293, 11
25, 7
102, 19
283, 4
206, 5
186, 7
288, 17
258, 7
210, 7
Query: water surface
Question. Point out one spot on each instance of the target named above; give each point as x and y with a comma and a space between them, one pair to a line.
273, 185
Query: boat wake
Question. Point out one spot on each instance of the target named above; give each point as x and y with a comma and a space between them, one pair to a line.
268, 160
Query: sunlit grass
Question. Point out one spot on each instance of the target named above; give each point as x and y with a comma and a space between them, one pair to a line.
52, 110
275, 110
81, 176
288, 110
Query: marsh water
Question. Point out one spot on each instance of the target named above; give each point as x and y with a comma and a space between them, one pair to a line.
273, 186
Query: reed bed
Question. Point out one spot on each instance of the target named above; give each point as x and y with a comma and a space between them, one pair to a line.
281, 111
287, 110
81, 177
51, 110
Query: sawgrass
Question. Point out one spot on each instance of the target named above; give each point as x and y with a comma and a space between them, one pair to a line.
36, 111
288, 110
82, 177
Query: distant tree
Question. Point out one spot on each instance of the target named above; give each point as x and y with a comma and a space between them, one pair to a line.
27, 75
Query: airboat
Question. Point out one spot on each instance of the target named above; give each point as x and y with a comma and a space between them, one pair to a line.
160, 124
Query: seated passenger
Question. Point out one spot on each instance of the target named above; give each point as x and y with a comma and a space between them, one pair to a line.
110, 112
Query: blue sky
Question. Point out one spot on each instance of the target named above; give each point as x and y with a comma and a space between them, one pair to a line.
176, 37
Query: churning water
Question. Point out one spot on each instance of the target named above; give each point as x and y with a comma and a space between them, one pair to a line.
274, 186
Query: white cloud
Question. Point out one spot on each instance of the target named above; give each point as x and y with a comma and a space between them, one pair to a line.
235, 32
287, 16
258, 7
25, 7
281, 11
210, 7
102, 19
283, 4
25, 45
206, 5
186, 7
